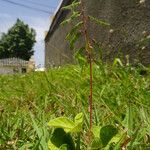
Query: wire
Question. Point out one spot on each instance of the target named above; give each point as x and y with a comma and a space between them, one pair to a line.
26, 6
40, 4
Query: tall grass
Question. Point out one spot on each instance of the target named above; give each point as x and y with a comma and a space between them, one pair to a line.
27, 102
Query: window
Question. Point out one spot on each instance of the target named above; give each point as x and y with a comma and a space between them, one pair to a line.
23, 70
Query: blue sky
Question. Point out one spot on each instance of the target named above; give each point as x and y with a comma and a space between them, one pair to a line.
38, 20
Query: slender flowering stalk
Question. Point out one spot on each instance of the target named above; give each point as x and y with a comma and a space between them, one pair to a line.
91, 92
89, 53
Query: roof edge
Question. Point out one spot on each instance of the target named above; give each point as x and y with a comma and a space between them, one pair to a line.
57, 15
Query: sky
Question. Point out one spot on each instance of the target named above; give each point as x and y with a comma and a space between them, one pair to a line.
36, 13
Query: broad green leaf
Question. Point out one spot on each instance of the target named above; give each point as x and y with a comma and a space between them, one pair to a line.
56, 139
116, 141
52, 146
62, 122
64, 147
61, 139
107, 133
66, 124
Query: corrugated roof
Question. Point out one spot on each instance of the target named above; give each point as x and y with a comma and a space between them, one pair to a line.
13, 62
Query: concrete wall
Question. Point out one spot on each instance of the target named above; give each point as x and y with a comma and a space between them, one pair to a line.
128, 33
57, 48
9, 70
6, 70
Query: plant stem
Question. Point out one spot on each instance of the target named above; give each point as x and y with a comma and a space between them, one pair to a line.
91, 92
89, 52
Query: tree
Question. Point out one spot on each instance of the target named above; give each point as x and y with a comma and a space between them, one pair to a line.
18, 42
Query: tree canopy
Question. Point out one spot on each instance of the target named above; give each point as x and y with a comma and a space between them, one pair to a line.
18, 42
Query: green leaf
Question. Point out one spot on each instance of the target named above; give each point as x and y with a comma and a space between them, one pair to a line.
96, 144
78, 123
52, 146
128, 122
116, 141
64, 147
66, 21
74, 30
56, 139
26, 146
67, 124
62, 122
96, 131
60, 140
72, 6
76, 27
98, 21
107, 133
79, 118
117, 61
80, 58
73, 39
39, 131
74, 16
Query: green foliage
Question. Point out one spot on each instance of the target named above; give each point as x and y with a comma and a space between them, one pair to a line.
80, 58
98, 21
96, 131
67, 124
120, 97
28, 102
78, 21
107, 133
18, 42
73, 5
61, 140
104, 137
64, 126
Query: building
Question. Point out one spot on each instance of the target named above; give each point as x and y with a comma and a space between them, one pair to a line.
128, 33
15, 65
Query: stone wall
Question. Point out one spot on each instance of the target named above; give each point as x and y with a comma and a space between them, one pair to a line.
128, 33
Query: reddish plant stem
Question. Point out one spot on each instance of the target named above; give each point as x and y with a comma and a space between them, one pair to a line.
91, 92
89, 52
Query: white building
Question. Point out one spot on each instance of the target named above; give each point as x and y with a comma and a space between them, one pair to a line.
13, 65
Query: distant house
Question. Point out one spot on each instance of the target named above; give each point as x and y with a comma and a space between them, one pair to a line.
128, 33
14, 65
